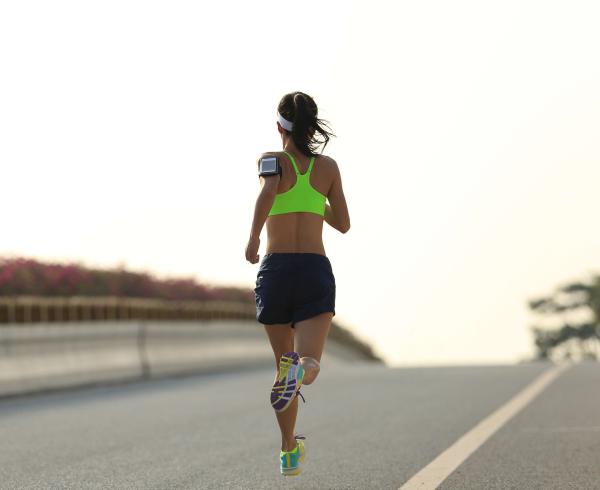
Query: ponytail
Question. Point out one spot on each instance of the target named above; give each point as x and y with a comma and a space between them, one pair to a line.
309, 132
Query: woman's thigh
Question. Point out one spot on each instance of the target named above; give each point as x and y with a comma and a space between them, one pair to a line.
281, 337
311, 334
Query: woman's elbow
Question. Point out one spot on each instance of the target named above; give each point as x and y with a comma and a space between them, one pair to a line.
344, 228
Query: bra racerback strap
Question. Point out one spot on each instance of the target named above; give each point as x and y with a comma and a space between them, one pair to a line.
293, 162
310, 165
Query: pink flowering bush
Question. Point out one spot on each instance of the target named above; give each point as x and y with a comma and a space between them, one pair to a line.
23, 276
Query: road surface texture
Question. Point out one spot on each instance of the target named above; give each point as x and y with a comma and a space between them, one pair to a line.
367, 427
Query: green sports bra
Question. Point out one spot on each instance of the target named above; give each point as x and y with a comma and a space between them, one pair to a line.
302, 197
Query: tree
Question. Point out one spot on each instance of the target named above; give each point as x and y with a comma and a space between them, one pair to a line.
580, 297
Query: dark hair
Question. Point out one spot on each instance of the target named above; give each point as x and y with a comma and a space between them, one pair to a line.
309, 132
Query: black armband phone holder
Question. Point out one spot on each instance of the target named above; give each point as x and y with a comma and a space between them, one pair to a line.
269, 166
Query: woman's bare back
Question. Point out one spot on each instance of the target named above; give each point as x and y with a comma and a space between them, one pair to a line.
300, 231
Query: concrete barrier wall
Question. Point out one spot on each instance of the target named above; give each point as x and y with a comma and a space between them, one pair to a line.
180, 347
42, 356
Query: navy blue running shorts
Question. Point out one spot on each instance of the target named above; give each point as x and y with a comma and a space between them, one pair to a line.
293, 286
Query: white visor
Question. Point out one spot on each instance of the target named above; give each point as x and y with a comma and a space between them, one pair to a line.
285, 124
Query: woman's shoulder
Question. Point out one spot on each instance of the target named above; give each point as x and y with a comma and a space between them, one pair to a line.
328, 159
281, 152
321, 159
271, 154
329, 162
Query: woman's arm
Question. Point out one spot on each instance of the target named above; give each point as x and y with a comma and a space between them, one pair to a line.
330, 217
337, 215
263, 205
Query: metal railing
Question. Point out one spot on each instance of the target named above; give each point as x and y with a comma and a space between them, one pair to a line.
34, 309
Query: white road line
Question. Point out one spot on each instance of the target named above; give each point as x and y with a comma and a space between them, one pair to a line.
432, 475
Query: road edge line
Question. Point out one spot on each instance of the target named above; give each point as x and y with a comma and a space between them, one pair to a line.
432, 475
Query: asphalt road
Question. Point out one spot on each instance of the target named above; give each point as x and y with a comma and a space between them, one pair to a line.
367, 427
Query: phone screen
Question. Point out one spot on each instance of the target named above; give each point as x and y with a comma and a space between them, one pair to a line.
268, 164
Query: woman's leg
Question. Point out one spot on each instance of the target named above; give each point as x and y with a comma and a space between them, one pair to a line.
281, 337
310, 340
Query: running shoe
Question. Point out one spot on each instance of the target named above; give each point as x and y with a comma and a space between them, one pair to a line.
301, 447
290, 460
288, 382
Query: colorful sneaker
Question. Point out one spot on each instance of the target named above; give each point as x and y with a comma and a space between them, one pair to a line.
302, 450
288, 382
290, 461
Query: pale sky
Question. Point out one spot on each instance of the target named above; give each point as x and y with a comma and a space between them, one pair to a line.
467, 141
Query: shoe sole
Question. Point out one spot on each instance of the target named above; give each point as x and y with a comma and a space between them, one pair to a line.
299, 378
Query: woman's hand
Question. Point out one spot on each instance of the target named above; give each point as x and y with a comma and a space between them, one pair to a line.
252, 250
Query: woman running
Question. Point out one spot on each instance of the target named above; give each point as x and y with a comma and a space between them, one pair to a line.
295, 285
